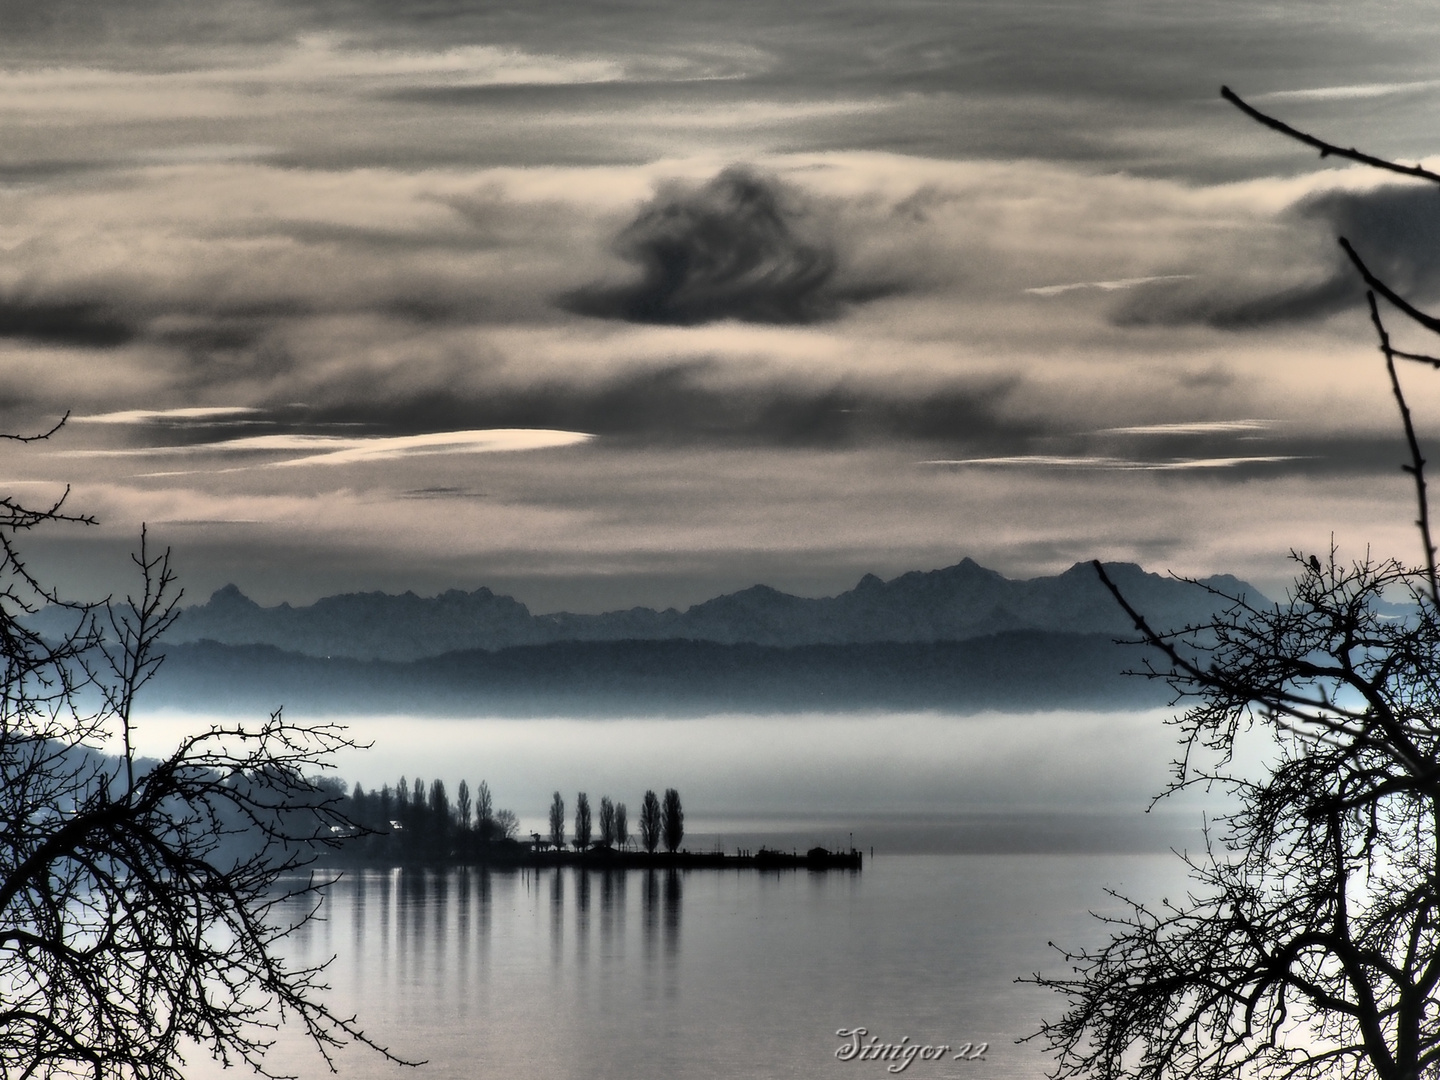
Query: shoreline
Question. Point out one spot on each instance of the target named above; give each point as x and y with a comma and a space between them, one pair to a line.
515, 855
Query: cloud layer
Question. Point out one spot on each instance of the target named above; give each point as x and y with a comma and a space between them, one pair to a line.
729, 278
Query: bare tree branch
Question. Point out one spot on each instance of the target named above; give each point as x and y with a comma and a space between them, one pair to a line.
1326, 149
143, 905
1416, 468
1307, 946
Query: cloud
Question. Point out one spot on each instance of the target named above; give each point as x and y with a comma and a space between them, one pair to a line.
698, 402
742, 246
1352, 92
64, 322
1084, 461
351, 450
199, 413
1191, 427
1305, 276
338, 450
1107, 286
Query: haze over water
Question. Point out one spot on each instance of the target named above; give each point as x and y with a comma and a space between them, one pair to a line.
893, 780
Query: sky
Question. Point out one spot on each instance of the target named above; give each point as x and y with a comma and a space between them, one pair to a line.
609, 303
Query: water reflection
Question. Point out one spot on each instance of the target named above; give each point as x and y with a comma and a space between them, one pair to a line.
582, 916
612, 908
662, 975
650, 906
674, 894
406, 927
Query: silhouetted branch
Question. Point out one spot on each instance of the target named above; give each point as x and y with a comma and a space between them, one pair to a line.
145, 904
37, 438
1307, 945
1428, 321
1416, 468
1326, 149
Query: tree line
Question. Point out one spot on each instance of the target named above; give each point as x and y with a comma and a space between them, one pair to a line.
415, 821
660, 820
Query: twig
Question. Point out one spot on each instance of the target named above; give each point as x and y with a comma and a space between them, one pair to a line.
1416, 468
1430, 322
1326, 149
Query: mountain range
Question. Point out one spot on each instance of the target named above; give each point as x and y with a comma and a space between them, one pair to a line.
958, 603
961, 639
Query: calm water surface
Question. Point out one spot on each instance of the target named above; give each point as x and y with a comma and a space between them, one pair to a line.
568, 974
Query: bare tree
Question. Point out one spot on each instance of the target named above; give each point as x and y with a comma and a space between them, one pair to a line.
607, 821
672, 820
1308, 945
622, 825
557, 820
504, 824
650, 821
143, 903
582, 821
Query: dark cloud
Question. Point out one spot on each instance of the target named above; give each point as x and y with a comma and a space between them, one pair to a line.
1396, 230
62, 322
742, 246
675, 406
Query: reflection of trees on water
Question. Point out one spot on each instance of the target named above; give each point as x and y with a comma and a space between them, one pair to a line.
650, 911
673, 898
661, 900
582, 916
557, 916
406, 926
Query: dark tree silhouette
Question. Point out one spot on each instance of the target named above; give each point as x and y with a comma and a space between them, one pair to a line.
557, 820
672, 820
582, 821
1308, 945
504, 824
484, 811
607, 821
439, 806
622, 826
142, 903
463, 804
650, 821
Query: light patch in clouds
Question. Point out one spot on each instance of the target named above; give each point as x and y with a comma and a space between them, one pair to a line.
1082, 461
318, 57
353, 450
1196, 427
1106, 286
312, 62
339, 450
153, 416
1353, 92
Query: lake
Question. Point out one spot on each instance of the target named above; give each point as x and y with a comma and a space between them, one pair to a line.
564, 974
993, 834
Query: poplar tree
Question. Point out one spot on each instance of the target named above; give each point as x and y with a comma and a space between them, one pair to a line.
582, 821
557, 820
672, 820
650, 821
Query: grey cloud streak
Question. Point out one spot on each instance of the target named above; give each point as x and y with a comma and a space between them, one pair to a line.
674, 405
85, 323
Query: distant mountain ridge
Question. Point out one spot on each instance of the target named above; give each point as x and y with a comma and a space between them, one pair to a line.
1023, 670
958, 603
